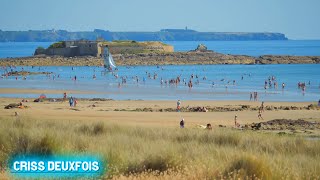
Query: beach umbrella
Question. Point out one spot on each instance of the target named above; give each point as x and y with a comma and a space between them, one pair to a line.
42, 96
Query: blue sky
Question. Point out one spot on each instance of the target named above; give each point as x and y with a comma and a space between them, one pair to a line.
298, 19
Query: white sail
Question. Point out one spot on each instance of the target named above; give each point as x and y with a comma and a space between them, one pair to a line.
108, 60
111, 62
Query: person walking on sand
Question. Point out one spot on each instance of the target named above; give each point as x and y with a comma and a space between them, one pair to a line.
251, 96
262, 107
260, 114
75, 102
71, 101
182, 123
236, 124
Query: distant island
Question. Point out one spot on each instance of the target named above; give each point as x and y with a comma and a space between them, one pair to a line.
88, 53
162, 35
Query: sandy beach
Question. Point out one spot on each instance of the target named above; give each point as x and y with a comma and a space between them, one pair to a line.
127, 112
149, 129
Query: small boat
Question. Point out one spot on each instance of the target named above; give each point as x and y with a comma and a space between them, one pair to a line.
109, 64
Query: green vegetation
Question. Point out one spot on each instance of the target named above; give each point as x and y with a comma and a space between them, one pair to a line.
149, 152
60, 44
40, 48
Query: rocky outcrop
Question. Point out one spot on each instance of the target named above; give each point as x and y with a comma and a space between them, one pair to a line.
201, 48
194, 57
272, 59
284, 124
25, 73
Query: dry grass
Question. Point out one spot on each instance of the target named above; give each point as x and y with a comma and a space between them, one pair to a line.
166, 153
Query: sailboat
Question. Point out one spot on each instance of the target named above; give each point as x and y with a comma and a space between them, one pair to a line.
109, 64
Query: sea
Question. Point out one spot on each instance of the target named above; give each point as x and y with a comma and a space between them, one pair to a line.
210, 82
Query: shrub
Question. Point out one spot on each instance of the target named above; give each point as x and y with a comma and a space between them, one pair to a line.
98, 128
45, 146
84, 129
248, 167
153, 163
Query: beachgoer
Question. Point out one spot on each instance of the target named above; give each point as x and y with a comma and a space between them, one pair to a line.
75, 102
251, 96
236, 124
255, 96
209, 127
71, 101
260, 114
262, 106
64, 95
182, 123
319, 103
283, 85
178, 105
204, 109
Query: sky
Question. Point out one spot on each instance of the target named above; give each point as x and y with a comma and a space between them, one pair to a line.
297, 19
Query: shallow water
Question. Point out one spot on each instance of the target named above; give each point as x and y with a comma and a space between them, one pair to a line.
106, 84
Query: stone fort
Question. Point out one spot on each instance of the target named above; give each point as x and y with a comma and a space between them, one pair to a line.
95, 48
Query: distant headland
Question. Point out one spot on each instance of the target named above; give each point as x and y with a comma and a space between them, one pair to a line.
162, 35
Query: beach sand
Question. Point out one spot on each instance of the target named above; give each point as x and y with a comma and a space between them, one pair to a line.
125, 112
135, 134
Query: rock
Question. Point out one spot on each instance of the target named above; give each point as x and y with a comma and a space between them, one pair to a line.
12, 105
201, 48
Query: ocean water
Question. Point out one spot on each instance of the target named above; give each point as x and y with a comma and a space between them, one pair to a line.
255, 48
20, 49
106, 85
252, 48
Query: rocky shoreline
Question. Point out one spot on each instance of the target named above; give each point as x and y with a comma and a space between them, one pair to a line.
175, 58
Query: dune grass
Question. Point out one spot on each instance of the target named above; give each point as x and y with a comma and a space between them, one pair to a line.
166, 153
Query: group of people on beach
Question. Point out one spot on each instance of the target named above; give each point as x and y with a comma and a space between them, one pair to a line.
73, 102
207, 127
236, 123
253, 96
